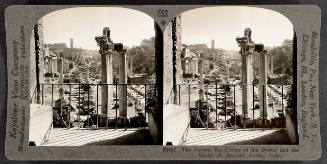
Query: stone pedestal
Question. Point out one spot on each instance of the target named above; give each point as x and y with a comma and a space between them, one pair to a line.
123, 123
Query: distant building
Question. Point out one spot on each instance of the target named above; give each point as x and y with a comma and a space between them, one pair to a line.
206, 64
287, 42
148, 42
50, 61
57, 47
199, 48
189, 62
71, 43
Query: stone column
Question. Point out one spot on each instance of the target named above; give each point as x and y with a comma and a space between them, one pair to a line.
271, 65
51, 62
122, 88
106, 78
201, 91
247, 81
61, 59
262, 95
268, 57
106, 47
246, 49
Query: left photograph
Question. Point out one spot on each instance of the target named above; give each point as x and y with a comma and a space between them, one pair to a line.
93, 78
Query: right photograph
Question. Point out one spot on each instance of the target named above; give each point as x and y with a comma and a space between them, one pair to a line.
230, 78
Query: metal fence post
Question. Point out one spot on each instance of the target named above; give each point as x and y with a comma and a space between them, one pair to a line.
179, 95
155, 94
225, 97
116, 106
283, 99
97, 106
244, 125
253, 105
216, 93
88, 105
207, 108
126, 93
42, 93
79, 103
70, 106
189, 97
145, 102
263, 105
234, 108
52, 96
60, 99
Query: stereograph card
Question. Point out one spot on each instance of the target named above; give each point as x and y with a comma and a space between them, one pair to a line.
163, 82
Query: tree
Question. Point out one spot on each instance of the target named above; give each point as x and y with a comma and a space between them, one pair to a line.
143, 57
282, 63
283, 59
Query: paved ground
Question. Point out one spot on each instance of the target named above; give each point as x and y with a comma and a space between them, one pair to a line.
200, 136
78, 137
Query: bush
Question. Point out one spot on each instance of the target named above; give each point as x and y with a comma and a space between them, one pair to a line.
199, 118
138, 121
61, 118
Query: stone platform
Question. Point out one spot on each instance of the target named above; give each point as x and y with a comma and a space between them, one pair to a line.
41, 118
78, 137
200, 136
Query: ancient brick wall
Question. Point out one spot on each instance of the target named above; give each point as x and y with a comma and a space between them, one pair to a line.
168, 63
179, 48
172, 60
37, 69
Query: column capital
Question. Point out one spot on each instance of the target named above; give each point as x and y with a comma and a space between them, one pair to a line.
123, 51
108, 52
264, 52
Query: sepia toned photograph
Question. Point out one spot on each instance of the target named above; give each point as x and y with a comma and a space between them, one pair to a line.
234, 78
162, 82
93, 78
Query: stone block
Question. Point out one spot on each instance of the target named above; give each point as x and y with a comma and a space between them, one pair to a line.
41, 118
291, 125
153, 125
176, 121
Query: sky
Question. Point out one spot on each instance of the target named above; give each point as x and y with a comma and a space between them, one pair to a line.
224, 24
82, 24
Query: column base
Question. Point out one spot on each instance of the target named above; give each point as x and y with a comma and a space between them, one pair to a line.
122, 122
262, 123
245, 122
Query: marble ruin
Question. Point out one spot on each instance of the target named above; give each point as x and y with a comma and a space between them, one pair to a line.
247, 49
107, 46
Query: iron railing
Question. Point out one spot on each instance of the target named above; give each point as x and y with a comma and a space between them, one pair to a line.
224, 99
84, 95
